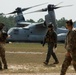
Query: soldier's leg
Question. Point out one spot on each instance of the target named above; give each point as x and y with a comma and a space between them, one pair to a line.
73, 54
55, 58
4, 62
50, 50
66, 64
3, 58
0, 65
74, 65
0, 60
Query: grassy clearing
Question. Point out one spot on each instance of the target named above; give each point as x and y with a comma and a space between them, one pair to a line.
31, 59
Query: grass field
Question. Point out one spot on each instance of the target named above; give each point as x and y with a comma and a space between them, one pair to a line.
29, 58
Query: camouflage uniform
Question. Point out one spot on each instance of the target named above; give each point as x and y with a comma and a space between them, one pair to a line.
70, 45
2, 55
51, 39
2, 50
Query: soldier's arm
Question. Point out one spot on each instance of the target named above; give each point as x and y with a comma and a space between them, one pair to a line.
65, 44
44, 40
72, 41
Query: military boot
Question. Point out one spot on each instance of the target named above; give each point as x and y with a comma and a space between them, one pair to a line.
46, 63
5, 67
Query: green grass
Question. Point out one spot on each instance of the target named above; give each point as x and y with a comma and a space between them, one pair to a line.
32, 62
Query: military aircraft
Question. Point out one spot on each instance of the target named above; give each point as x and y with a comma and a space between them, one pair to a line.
35, 32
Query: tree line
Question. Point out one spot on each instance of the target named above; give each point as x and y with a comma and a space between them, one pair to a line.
10, 21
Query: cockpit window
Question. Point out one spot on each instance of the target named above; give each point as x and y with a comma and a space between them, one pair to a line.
16, 31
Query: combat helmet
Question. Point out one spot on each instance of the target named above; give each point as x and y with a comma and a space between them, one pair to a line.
50, 25
70, 22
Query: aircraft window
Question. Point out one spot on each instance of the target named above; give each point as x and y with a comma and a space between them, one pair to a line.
16, 31
22, 25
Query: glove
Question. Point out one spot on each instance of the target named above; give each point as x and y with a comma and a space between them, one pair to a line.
43, 43
55, 45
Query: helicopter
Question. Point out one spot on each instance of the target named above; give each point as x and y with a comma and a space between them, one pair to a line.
35, 32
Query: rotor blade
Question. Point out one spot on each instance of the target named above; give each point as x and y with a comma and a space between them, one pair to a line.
58, 3
33, 6
11, 12
65, 6
26, 8
42, 10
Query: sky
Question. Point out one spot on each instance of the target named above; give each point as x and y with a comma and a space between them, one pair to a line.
7, 6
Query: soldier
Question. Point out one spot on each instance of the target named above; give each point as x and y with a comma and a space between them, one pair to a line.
2, 50
51, 39
70, 46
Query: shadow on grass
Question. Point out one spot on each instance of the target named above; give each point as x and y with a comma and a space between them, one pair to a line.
50, 65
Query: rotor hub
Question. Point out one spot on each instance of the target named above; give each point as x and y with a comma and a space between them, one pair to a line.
50, 7
18, 10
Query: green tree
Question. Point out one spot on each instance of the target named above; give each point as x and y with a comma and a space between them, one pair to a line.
30, 20
40, 20
8, 21
61, 22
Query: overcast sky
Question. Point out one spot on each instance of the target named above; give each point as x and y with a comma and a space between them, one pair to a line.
7, 6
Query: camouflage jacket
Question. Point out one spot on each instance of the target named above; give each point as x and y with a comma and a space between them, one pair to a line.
51, 37
70, 42
3, 37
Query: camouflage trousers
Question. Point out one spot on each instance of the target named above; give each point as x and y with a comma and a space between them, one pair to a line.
2, 55
70, 57
50, 53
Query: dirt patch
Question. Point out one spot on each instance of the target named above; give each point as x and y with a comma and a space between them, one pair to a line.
39, 74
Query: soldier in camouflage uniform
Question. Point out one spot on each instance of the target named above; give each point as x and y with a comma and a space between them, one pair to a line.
2, 50
70, 46
51, 39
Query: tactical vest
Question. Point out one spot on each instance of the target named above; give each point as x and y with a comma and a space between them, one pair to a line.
50, 37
